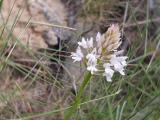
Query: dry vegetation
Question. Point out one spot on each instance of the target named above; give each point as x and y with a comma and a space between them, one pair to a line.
38, 78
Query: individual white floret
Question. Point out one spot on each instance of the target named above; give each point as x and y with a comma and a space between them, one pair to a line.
83, 43
92, 68
98, 39
86, 43
119, 63
78, 55
92, 61
92, 56
108, 72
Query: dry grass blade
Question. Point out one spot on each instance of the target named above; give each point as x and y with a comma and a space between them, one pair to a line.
48, 24
141, 22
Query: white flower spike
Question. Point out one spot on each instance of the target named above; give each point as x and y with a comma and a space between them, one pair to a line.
103, 52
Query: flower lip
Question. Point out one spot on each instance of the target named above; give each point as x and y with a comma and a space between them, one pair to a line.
92, 69
108, 72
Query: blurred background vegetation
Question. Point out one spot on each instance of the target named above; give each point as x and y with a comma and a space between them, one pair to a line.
38, 78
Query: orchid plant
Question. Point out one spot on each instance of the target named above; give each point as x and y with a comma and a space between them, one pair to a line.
101, 57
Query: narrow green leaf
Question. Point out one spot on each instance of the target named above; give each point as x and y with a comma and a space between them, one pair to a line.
77, 102
1, 2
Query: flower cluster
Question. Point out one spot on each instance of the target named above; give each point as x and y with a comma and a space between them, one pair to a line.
101, 55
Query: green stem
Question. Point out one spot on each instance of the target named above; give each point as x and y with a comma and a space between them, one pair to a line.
77, 101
